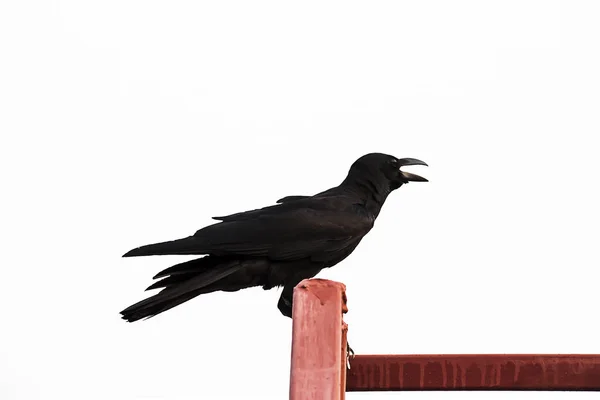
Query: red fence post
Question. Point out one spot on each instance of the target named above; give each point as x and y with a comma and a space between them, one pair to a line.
318, 368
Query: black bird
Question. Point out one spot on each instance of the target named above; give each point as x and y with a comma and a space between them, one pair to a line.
279, 245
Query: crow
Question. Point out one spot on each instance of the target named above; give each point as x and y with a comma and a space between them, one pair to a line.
278, 245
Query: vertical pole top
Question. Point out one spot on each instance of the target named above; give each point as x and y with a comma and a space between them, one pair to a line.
317, 351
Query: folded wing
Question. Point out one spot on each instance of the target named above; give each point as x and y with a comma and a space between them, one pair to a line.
290, 231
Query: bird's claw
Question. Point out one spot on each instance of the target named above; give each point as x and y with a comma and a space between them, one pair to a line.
349, 355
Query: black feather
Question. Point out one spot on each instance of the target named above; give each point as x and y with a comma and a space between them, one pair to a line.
179, 292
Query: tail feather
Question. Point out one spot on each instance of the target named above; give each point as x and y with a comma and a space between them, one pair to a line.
193, 266
168, 281
155, 307
186, 270
183, 288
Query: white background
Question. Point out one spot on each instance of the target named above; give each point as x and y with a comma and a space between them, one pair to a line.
129, 122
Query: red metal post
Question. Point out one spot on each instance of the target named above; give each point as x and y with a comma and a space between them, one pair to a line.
474, 372
318, 369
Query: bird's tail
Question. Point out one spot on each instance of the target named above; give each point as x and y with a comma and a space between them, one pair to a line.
182, 282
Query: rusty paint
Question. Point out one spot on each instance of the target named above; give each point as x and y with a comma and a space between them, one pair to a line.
474, 372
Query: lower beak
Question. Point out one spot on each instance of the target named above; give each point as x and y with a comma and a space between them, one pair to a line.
412, 177
407, 176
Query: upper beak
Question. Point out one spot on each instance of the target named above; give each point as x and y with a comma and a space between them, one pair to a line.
407, 175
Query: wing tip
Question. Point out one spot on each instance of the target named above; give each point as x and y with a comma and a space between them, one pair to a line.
291, 198
133, 253
187, 245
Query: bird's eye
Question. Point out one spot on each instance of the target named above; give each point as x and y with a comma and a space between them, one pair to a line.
394, 163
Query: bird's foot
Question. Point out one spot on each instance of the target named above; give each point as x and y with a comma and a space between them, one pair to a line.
349, 355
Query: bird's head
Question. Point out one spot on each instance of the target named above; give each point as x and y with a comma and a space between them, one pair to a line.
383, 171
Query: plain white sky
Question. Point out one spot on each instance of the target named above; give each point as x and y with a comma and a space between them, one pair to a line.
130, 122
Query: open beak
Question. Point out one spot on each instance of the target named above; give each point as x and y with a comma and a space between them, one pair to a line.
407, 176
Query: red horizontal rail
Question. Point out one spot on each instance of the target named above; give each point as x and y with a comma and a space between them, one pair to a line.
474, 372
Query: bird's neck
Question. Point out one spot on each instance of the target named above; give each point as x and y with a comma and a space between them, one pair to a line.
370, 194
